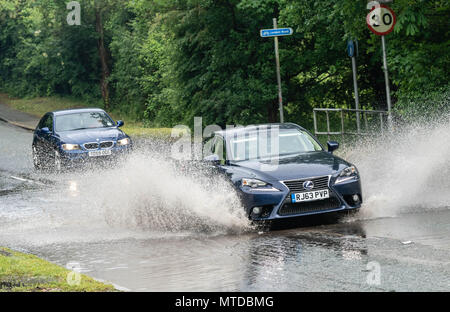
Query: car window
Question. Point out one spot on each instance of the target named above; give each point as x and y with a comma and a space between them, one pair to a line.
42, 122
84, 120
46, 121
208, 147
262, 144
219, 149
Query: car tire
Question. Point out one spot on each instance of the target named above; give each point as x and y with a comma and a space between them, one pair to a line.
264, 226
353, 212
37, 161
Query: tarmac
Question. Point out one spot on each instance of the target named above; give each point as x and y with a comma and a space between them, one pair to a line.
18, 118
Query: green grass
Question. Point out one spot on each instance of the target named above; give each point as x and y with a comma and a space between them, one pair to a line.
24, 272
41, 105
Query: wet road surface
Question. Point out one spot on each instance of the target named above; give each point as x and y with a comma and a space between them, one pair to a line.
79, 218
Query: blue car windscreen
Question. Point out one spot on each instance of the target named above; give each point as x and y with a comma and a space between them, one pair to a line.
85, 120
257, 145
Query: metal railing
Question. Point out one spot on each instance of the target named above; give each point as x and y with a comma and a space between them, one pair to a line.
342, 112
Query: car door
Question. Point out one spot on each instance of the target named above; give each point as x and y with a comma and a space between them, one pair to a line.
46, 138
38, 140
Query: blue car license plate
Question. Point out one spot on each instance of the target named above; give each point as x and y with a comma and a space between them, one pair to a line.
99, 153
308, 196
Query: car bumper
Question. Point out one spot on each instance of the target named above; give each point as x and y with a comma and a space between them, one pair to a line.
79, 158
278, 205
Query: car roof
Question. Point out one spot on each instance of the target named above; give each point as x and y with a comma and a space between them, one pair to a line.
76, 110
250, 128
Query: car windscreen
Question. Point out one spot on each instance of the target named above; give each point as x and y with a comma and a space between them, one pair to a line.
270, 143
84, 120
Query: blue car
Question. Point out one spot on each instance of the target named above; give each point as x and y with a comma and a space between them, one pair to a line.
68, 138
282, 171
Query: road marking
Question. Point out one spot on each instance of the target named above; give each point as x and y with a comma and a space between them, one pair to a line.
27, 180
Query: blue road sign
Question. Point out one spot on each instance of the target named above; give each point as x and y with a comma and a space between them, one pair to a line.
351, 48
276, 32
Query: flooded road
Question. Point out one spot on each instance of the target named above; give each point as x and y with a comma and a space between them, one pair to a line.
128, 226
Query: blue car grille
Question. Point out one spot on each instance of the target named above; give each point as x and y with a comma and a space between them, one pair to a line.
106, 144
91, 146
94, 145
320, 183
312, 206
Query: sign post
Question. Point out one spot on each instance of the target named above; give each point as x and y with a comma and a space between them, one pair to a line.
352, 50
275, 32
386, 79
381, 21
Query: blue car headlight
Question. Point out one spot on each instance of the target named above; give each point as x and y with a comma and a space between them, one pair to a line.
70, 147
347, 174
123, 142
258, 185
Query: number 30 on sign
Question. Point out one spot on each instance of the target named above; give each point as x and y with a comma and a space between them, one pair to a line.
381, 20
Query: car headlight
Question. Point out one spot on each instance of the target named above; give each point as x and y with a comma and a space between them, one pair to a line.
71, 147
258, 185
347, 174
123, 142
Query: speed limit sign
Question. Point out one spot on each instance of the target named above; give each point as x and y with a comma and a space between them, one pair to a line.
381, 20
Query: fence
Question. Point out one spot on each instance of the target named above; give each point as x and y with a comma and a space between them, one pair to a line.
359, 113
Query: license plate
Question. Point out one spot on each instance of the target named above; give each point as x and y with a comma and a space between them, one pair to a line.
99, 153
308, 196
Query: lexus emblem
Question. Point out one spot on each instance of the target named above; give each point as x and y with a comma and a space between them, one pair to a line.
308, 185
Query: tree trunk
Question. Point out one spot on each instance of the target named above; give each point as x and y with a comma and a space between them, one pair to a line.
103, 54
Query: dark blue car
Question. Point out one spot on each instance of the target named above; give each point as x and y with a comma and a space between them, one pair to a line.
67, 138
282, 171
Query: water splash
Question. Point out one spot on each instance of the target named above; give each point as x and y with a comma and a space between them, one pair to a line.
407, 170
150, 192
144, 196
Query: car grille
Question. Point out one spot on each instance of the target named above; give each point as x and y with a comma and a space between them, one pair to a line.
94, 145
91, 146
317, 205
320, 183
106, 144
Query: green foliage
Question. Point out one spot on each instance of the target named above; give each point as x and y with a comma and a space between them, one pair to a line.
173, 60
41, 55
427, 106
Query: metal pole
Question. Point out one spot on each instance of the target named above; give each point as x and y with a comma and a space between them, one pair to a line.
381, 123
366, 122
386, 77
355, 84
315, 121
328, 125
277, 60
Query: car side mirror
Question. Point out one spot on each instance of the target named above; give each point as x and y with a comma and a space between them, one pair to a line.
214, 159
332, 146
45, 130
120, 123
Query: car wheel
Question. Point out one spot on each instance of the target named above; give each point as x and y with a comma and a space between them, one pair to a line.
57, 162
263, 226
353, 212
36, 159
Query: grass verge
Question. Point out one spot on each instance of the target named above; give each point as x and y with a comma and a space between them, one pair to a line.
41, 105
24, 272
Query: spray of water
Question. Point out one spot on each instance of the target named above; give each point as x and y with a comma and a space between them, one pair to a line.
147, 195
407, 170
150, 192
